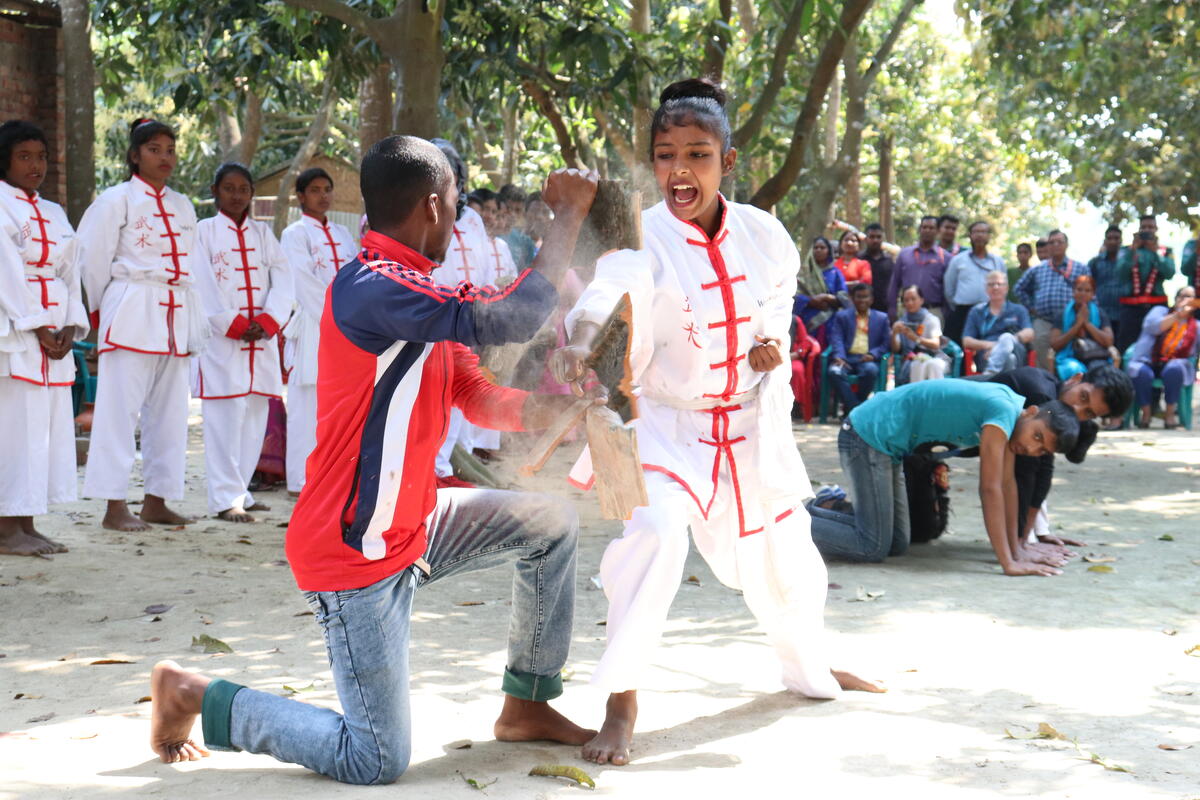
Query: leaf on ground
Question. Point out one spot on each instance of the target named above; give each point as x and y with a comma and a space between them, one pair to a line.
474, 784
157, 608
602, 622
1099, 558
461, 744
567, 674
24, 696
1166, 537
1100, 568
67, 657
143, 699
1149, 444
42, 717
835, 586
1174, 747
210, 644
1194, 650
692, 580
563, 771
111, 661
470, 603
85, 736
1170, 631
303, 614
1179, 691
298, 689
1112, 766
1044, 731
862, 595
244, 540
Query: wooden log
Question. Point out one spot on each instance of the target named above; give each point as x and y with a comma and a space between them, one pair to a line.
620, 483
553, 435
613, 223
609, 359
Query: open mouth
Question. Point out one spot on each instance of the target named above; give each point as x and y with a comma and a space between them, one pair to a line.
684, 194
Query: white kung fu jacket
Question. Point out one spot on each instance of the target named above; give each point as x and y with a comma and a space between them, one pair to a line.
242, 276
469, 257
39, 286
705, 418
315, 251
135, 253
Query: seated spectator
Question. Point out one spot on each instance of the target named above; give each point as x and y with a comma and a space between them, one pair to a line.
999, 331
805, 355
1166, 349
1084, 338
858, 340
878, 434
820, 289
917, 341
853, 268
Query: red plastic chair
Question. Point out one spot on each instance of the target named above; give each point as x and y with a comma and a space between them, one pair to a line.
969, 361
806, 362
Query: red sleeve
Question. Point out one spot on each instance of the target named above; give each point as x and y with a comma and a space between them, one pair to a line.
236, 328
268, 324
481, 401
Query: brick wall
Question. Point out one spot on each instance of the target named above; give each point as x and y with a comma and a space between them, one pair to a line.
31, 79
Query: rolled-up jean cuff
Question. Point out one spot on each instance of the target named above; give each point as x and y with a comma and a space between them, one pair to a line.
215, 713
527, 686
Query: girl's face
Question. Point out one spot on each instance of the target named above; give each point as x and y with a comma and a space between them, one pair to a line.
849, 246
912, 301
820, 252
316, 198
688, 167
27, 166
156, 159
233, 195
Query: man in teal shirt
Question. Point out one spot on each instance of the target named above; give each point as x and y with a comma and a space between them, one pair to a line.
879, 433
1141, 270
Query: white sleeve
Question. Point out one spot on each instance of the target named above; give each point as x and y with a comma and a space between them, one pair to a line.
17, 304
281, 296
212, 302
68, 273
933, 326
309, 290
619, 273
98, 236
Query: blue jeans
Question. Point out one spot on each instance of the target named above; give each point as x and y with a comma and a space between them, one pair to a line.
1009, 353
367, 638
1172, 373
867, 373
879, 526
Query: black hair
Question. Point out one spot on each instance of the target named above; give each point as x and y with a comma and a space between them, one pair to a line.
1026, 245
932, 217
141, 131
1112, 229
397, 174
1114, 384
13, 133
1042, 243
459, 168
1087, 437
874, 226
482, 196
1145, 217
912, 287
972, 226
510, 195
849, 232
695, 101
232, 166
947, 218
308, 176
859, 286
534, 197
1062, 422
1057, 232
828, 246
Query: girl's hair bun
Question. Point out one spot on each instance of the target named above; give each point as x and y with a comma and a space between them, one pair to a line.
694, 87
139, 122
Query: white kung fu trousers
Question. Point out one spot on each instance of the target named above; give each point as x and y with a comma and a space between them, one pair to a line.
38, 431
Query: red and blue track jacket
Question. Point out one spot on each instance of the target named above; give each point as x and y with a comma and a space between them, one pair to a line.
393, 359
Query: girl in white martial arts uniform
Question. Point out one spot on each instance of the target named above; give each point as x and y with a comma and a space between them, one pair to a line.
315, 249
135, 245
711, 296
41, 316
245, 288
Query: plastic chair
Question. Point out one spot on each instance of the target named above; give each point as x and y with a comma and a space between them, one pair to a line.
949, 347
804, 380
1185, 395
880, 382
84, 388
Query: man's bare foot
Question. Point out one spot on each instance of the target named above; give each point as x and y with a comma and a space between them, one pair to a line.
615, 739
27, 527
852, 683
530, 721
177, 697
117, 517
154, 509
257, 506
235, 515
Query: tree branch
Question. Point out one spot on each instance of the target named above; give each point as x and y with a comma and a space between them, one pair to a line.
775, 78
545, 103
364, 24
885, 50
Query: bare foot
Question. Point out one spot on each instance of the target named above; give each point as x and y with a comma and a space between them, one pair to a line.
615, 739
257, 506
852, 683
177, 696
293, 494
154, 509
529, 721
28, 528
15, 542
117, 517
235, 515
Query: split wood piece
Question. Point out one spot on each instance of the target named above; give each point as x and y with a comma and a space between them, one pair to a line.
609, 359
469, 468
620, 483
553, 435
614, 222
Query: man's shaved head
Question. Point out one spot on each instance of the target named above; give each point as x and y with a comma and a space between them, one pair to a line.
397, 174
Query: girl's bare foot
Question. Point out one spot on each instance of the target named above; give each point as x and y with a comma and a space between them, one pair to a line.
852, 683
154, 509
257, 506
177, 696
236, 515
16, 542
613, 743
28, 529
117, 517
530, 721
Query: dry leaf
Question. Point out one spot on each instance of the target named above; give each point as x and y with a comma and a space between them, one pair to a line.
210, 644
298, 689
692, 580
42, 717
1179, 691
562, 771
861, 595
303, 614
470, 603
111, 661
1099, 558
1166, 537
85, 736
1096, 758
835, 586
1044, 731
1194, 650
143, 699
1100, 568
461, 744
1170, 631
474, 784
244, 540
157, 608
67, 657
1174, 747
24, 696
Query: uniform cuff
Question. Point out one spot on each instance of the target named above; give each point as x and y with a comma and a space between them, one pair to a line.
527, 686
215, 713
268, 324
236, 328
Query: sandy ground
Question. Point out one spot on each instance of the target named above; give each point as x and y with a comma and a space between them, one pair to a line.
966, 652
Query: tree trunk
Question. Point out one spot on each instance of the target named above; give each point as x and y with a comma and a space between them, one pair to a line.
375, 106
640, 25
833, 110
79, 101
549, 108
854, 196
229, 131
836, 176
885, 187
252, 128
308, 149
509, 167
418, 58
716, 42
748, 15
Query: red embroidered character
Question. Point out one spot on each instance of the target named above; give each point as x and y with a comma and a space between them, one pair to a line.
141, 224
142, 241
220, 274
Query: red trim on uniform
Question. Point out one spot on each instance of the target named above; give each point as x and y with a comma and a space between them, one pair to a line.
462, 249
268, 324
724, 284
236, 328
248, 288
329, 242
586, 487
785, 515
663, 470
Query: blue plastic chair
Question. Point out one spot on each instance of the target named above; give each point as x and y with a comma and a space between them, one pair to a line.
1185, 396
84, 389
826, 388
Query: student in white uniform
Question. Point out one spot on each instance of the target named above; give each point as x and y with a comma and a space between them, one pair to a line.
245, 288
135, 245
41, 316
711, 297
315, 247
